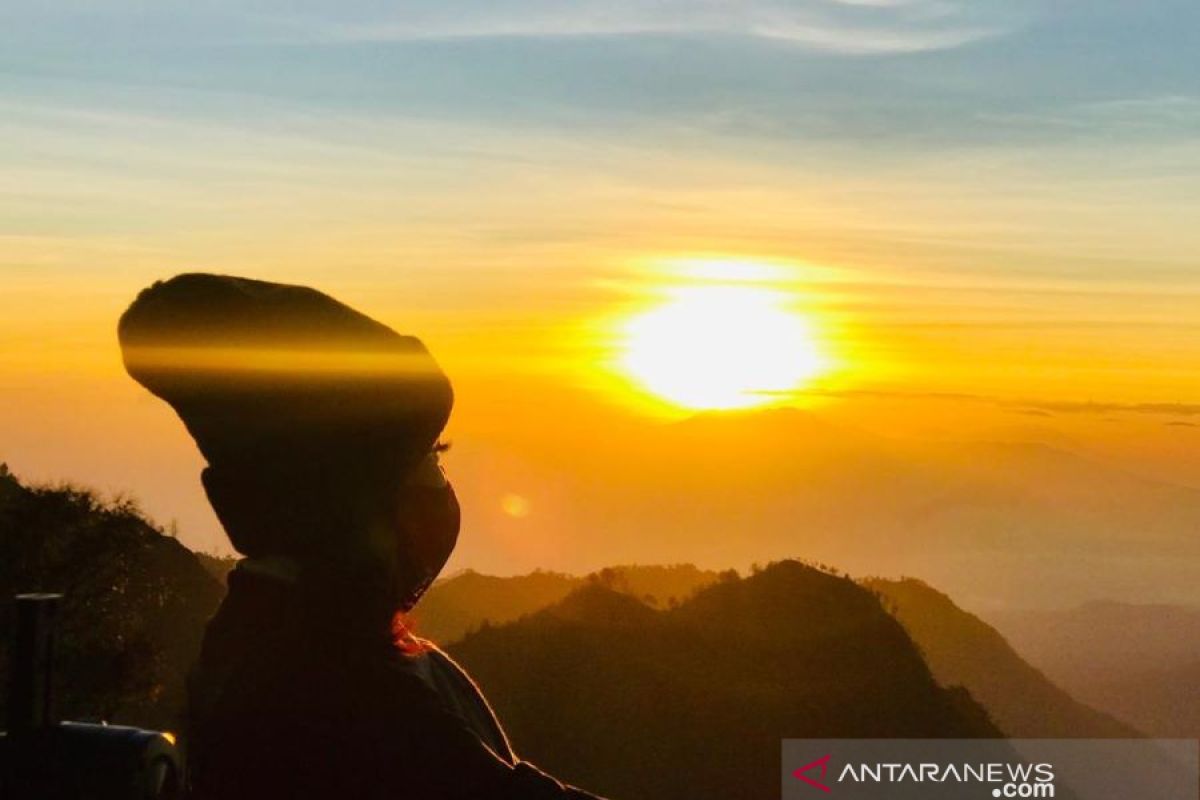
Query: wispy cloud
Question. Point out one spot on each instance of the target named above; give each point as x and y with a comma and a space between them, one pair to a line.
851, 41
1087, 407
848, 27
1033, 407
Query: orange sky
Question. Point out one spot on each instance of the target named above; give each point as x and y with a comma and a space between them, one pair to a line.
531, 352
986, 229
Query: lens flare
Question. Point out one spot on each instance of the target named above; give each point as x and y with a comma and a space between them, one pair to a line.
515, 505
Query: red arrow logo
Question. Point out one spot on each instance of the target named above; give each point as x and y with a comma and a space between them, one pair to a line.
823, 763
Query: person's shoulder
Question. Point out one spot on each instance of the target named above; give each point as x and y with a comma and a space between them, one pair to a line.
427, 646
437, 655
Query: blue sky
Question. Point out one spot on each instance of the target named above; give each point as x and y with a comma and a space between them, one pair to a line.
1069, 128
859, 85
914, 72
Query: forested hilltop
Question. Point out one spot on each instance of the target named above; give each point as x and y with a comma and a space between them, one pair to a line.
591, 685
136, 600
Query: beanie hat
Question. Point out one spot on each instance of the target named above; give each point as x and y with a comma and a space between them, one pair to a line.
273, 379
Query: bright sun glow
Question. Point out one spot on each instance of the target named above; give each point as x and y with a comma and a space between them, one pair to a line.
721, 347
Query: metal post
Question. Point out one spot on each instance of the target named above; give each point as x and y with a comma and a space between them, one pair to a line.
31, 690
29, 773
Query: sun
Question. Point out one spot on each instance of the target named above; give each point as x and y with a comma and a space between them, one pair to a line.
721, 347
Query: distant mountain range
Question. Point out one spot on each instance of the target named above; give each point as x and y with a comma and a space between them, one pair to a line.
1164, 702
464, 602
994, 523
1140, 663
963, 650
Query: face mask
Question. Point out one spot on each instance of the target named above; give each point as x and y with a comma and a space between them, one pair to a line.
427, 530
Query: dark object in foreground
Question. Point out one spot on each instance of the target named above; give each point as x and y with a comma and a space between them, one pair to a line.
43, 758
320, 427
293, 699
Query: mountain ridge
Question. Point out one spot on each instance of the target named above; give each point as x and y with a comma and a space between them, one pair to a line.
962, 649
786, 652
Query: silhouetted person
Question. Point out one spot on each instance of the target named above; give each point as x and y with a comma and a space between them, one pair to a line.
320, 428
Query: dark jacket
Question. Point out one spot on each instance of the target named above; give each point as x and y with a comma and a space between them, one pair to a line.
287, 702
